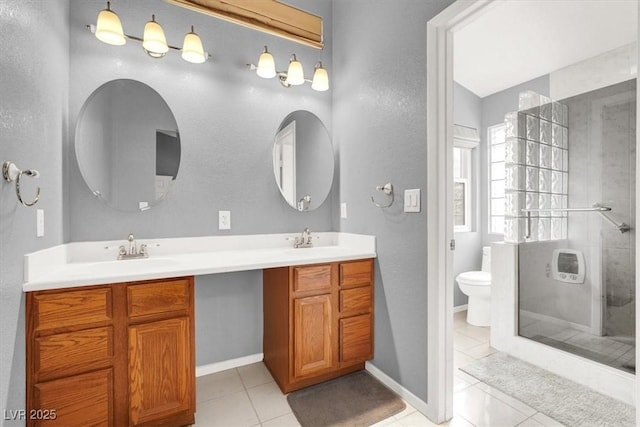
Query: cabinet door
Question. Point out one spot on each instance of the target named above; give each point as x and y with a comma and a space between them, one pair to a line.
312, 343
161, 379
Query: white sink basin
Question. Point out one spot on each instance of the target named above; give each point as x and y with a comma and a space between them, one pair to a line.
123, 266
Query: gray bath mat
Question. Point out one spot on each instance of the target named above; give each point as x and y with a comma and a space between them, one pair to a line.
357, 399
566, 401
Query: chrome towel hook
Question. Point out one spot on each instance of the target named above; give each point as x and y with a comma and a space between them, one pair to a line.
11, 173
386, 189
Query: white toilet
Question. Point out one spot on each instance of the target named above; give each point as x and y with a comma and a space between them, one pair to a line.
477, 286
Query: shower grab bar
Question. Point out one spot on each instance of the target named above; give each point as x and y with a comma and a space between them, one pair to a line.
622, 226
593, 209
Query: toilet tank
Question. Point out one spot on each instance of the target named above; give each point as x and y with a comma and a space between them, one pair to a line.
486, 259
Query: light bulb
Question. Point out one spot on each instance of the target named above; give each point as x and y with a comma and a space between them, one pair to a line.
154, 42
320, 79
295, 73
192, 50
266, 65
109, 27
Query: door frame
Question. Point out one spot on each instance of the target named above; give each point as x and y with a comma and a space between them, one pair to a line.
440, 202
440, 31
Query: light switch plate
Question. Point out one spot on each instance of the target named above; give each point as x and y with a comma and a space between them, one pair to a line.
224, 220
412, 200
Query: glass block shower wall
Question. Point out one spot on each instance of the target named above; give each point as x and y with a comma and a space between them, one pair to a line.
536, 170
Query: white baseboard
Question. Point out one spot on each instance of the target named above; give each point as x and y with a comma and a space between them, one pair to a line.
459, 308
409, 397
212, 368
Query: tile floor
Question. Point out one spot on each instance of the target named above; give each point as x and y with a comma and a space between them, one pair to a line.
248, 396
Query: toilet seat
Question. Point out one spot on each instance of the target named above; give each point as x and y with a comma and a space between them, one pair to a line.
475, 278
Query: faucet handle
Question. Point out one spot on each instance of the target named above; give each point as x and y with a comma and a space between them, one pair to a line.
143, 249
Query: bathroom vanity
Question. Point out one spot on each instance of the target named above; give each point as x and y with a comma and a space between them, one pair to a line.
117, 354
112, 342
318, 321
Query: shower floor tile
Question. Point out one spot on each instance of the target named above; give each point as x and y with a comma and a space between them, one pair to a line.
617, 353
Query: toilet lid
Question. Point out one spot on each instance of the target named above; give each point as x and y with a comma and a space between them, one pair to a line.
478, 278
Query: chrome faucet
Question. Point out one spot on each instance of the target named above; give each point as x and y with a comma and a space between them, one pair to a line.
133, 252
304, 241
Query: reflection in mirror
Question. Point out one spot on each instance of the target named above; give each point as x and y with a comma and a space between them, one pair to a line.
303, 160
127, 145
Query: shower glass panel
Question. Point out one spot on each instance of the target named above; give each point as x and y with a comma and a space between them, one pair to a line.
575, 222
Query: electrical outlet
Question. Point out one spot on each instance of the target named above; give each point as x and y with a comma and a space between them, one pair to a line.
224, 220
343, 210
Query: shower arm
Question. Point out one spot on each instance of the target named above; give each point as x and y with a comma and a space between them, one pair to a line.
622, 226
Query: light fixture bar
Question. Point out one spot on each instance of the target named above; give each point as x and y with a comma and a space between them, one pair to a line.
92, 29
319, 83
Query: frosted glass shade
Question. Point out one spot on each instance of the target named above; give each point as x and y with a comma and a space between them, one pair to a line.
266, 65
192, 50
109, 28
154, 41
295, 73
320, 79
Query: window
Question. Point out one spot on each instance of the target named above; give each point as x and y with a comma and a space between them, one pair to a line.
465, 139
461, 193
495, 141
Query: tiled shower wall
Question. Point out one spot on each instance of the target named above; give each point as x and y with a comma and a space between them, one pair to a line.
536, 170
603, 170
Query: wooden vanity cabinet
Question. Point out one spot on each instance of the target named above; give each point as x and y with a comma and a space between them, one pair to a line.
111, 355
318, 321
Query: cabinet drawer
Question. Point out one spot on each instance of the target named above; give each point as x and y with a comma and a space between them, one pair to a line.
81, 400
158, 297
312, 278
71, 308
356, 344
355, 300
356, 273
74, 352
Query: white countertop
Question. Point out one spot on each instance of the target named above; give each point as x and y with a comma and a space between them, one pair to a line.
93, 263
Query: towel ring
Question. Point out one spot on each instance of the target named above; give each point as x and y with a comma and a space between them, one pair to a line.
386, 189
11, 173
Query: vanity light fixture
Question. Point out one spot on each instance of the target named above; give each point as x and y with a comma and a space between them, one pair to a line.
108, 29
153, 41
294, 76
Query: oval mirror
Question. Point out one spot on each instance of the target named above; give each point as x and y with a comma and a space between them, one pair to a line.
127, 145
303, 160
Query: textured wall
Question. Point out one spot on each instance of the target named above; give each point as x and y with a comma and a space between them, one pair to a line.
467, 111
227, 117
379, 123
33, 114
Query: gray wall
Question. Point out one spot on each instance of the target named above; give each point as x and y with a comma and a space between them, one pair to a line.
379, 123
227, 117
33, 114
467, 111
494, 107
